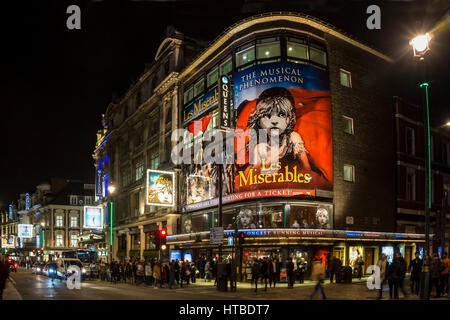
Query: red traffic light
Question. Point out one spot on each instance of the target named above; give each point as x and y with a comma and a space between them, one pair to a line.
34, 250
163, 232
42, 249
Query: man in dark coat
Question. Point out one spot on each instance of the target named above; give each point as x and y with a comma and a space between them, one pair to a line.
4, 275
416, 268
274, 272
256, 270
290, 273
265, 271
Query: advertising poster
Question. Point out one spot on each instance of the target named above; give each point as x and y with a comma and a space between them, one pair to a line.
25, 231
8, 241
293, 99
93, 217
389, 252
160, 188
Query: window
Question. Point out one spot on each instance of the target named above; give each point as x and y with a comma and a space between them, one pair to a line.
188, 95
139, 169
126, 176
59, 220
268, 48
74, 222
154, 160
136, 203
349, 173
297, 49
88, 200
245, 56
410, 184
410, 141
73, 200
346, 78
212, 77
318, 55
226, 67
59, 240
199, 87
73, 240
348, 125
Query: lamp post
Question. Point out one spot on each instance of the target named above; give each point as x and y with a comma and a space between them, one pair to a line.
111, 190
421, 45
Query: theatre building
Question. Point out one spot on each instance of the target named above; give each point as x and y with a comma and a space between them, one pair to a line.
331, 191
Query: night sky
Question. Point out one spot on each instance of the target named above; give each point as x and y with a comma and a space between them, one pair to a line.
56, 83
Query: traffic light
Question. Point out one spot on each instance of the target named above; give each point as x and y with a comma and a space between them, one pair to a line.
162, 236
241, 238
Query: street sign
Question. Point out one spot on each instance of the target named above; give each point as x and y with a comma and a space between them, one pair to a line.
216, 235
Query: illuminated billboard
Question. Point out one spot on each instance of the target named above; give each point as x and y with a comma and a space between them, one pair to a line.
25, 231
160, 188
293, 99
8, 241
93, 217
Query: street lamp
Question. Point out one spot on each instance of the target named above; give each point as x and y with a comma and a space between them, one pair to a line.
111, 190
421, 45
43, 224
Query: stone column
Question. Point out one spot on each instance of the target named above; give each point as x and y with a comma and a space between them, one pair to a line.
127, 255
141, 229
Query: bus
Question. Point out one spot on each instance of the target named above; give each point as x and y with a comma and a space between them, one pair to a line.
85, 256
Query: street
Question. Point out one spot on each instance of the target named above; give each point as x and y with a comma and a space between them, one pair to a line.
27, 286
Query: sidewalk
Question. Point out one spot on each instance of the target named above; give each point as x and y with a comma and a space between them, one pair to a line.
10, 292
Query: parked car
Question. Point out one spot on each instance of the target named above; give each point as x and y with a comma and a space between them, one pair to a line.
37, 268
12, 265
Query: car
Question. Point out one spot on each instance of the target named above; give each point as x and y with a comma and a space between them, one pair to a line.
38, 268
45, 269
12, 265
63, 265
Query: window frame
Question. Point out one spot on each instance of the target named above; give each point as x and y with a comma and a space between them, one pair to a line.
346, 118
352, 172
349, 75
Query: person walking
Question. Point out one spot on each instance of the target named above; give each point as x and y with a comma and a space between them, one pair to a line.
383, 265
157, 275
290, 273
436, 268
256, 269
332, 265
177, 271
274, 272
394, 277
148, 273
193, 271
265, 272
302, 270
207, 271
444, 274
140, 272
172, 274
402, 264
360, 264
416, 268
318, 274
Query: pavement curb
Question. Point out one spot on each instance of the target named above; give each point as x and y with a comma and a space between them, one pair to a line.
10, 292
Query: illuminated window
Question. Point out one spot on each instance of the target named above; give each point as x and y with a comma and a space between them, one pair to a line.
346, 78
211, 78
139, 169
348, 125
245, 56
226, 67
349, 173
318, 55
74, 222
73, 240
199, 87
297, 49
59, 240
410, 140
267, 48
188, 95
59, 220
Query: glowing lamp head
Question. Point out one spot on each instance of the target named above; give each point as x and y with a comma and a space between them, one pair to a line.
421, 44
448, 124
163, 247
111, 189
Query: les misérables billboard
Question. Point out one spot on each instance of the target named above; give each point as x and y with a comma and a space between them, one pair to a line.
295, 99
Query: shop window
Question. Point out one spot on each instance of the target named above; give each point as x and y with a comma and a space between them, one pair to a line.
267, 48
199, 87
226, 67
212, 77
348, 124
317, 55
310, 217
297, 49
345, 77
349, 173
245, 56
188, 95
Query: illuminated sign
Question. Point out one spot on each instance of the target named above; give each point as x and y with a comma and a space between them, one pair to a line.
27, 201
10, 212
389, 252
160, 188
293, 100
175, 255
200, 106
8, 241
98, 183
93, 217
25, 231
225, 102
